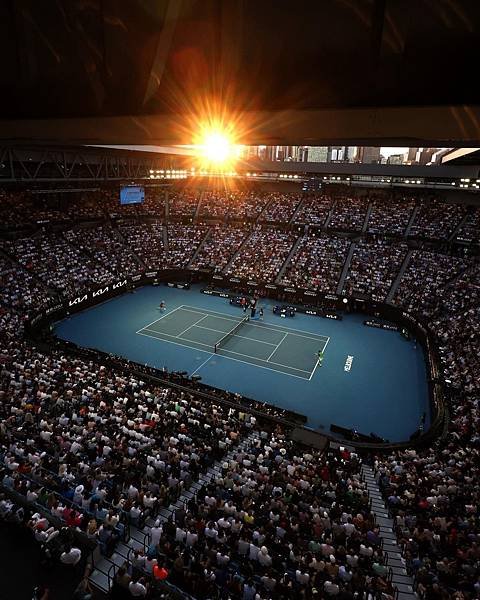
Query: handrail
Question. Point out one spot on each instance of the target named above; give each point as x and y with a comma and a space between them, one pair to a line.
109, 577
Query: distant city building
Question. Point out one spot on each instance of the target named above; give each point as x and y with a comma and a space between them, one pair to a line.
317, 154
425, 155
350, 153
336, 153
437, 157
368, 154
395, 159
412, 155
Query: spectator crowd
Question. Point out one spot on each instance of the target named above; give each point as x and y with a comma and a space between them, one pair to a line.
91, 449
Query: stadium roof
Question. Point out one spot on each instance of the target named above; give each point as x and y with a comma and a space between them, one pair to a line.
462, 156
372, 72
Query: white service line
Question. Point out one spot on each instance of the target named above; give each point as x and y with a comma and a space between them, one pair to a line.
308, 337
214, 315
314, 369
224, 350
235, 335
229, 357
298, 332
325, 345
159, 319
276, 347
155, 337
271, 362
203, 363
266, 368
190, 326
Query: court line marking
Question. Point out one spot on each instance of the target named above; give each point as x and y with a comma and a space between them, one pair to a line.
192, 325
314, 369
198, 312
203, 363
235, 335
318, 361
313, 336
307, 337
177, 337
277, 347
229, 357
265, 360
227, 317
267, 368
159, 318
154, 337
266, 326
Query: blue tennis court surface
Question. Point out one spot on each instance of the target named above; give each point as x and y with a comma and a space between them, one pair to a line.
370, 379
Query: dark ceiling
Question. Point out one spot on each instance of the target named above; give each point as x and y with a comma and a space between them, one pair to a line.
288, 70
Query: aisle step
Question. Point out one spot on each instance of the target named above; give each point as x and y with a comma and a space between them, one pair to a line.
99, 580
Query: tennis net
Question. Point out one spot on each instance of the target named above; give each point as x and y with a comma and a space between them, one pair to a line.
230, 334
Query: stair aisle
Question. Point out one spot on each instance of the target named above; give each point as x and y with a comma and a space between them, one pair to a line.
398, 278
105, 568
292, 252
346, 267
401, 579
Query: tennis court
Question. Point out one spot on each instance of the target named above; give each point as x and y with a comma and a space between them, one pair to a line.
384, 389
267, 346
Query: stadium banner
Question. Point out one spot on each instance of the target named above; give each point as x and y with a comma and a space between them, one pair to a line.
179, 286
378, 325
218, 293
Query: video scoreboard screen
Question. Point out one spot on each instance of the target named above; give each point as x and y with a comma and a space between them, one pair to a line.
132, 194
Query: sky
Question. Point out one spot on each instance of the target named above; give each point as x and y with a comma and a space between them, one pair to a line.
387, 151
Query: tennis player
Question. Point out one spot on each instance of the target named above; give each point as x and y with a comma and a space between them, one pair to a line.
162, 306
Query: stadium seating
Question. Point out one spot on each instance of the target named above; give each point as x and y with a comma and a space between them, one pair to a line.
349, 214
317, 263
262, 255
97, 448
390, 215
374, 266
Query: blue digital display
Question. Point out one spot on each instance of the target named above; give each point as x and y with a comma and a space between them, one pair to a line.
132, 194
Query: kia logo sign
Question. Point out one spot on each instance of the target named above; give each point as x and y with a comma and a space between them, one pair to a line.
100, 291
78, 300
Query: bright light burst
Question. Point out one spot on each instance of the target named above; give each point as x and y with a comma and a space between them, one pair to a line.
217, 148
